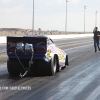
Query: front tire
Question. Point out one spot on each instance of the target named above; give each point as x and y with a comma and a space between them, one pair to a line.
66, 61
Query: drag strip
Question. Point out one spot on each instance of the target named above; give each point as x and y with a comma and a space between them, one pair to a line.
79, 81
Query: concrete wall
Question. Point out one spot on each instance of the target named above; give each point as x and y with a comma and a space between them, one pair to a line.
3, 38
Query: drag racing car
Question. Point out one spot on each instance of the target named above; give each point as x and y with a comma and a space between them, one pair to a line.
34, 54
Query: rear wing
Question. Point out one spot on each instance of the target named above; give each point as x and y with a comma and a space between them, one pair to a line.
38, 44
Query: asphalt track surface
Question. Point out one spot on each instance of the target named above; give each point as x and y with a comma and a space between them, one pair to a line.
79, 81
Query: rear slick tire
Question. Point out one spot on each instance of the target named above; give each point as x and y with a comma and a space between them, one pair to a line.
53, 66
14, 67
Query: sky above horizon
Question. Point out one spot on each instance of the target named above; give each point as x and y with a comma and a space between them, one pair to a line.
50, 14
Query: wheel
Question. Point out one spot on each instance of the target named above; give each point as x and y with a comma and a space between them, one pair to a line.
43, 68
14, 67
58, 68
53, 66
66, 61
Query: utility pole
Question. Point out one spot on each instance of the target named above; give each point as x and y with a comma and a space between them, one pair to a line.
96, 18
66, 18
84, 18
33, 19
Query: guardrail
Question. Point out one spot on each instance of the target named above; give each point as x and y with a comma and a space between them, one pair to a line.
3, 38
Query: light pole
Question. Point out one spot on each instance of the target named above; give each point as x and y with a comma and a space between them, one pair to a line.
96, 18
66, 18
33, 19
84, 18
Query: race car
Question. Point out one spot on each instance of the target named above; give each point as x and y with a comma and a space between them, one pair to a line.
34, 54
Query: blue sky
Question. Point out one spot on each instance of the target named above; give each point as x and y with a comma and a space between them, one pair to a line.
49, 14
